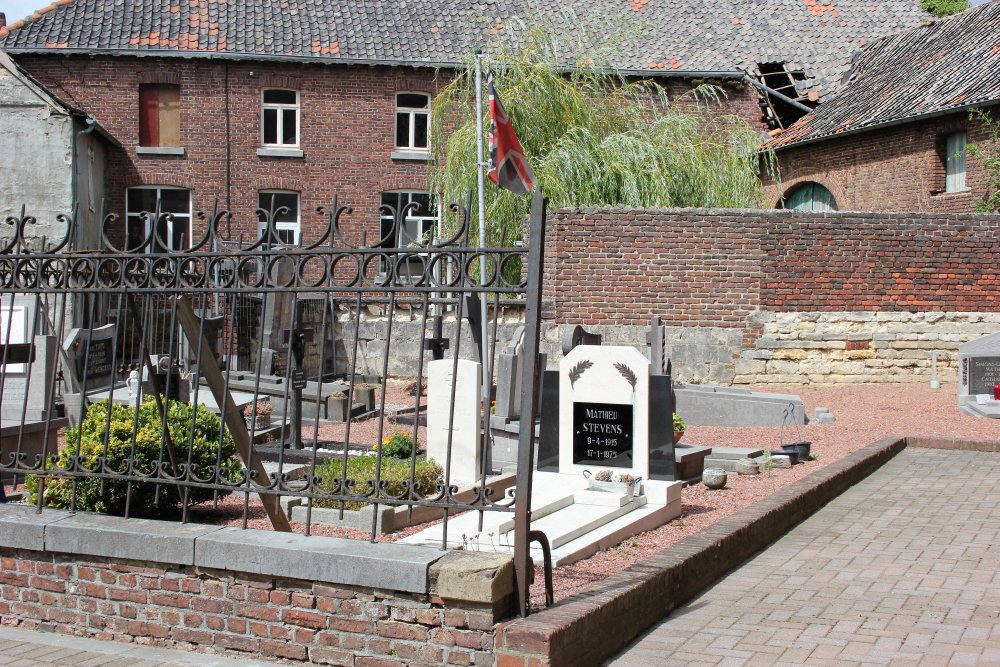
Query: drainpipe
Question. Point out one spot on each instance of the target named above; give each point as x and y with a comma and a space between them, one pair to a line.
81, 303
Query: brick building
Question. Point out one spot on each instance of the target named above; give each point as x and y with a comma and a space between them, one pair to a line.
288, 103
895, 137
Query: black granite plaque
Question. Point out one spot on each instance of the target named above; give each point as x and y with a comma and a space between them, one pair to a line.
97, 364
984, 372
603, 434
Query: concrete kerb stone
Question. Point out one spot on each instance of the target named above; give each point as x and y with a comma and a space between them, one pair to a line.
334, 560
21, 527
134, 539
595, 624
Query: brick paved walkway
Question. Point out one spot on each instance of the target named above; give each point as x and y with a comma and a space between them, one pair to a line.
29, 648
903, 569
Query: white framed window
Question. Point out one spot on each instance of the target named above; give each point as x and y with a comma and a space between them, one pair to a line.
173, 231
954, 163
287, 223
413, 121
279, 123
417, 228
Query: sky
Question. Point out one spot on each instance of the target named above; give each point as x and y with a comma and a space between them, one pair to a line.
18, 9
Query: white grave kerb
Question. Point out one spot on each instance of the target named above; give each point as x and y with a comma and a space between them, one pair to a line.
604, 410
466, 457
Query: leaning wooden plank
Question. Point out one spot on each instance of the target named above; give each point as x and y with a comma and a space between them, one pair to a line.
209, 369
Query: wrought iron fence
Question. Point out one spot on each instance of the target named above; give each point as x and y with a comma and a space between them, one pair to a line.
135, 380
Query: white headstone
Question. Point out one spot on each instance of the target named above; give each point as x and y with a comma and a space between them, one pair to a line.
978, 372
604, 411
465, 452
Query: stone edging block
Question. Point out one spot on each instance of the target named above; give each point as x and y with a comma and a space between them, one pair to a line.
388, 566
135, 539
600, 621
484, 578
21, 527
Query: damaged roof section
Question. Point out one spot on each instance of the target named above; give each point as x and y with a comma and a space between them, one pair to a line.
819, 36
940, 67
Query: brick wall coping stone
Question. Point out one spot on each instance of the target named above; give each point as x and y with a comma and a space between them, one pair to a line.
386, 566
597, 623
853, 216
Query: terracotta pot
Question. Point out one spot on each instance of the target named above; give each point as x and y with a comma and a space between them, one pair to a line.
677, 436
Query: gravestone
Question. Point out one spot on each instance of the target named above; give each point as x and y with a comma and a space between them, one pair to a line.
465, 376
604, 410
90, 356
27, 386
508, 380
211, 328
978, 371
27, 375
96, 367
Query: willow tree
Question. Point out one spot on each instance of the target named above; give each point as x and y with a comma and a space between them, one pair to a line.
594, 136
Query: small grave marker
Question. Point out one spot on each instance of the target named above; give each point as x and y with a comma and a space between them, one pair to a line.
466, 457
91, 356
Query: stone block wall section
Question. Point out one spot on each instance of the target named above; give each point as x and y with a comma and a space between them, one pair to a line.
780, 296
326, 600
832, 348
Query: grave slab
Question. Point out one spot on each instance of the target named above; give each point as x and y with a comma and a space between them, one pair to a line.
711, 405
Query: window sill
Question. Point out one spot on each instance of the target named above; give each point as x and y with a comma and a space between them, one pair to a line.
417, 156
159, 150
274, 151
957, 193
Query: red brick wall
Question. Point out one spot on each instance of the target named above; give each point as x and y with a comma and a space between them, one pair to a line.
897, 168
347, 129
619, 266
282, 618
713, 268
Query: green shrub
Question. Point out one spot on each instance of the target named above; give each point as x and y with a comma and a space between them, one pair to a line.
942, 8
109, 497
362, 468
399, 445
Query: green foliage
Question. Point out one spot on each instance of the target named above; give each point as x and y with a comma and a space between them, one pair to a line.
592, 136
394, 472
988, 153
679, 423
95, 439
399, 445
942, 8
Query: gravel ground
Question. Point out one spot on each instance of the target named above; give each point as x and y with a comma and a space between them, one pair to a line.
864, 414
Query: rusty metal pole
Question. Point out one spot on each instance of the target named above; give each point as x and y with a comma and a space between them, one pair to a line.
529, 402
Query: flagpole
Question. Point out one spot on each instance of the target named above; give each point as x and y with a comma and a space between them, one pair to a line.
481, 179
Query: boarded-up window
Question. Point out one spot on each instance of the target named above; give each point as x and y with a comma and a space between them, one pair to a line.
159, 115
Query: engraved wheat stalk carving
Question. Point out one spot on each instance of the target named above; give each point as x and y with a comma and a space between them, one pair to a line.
577, 371
627, 373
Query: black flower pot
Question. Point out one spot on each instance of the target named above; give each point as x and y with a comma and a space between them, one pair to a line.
801, 448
